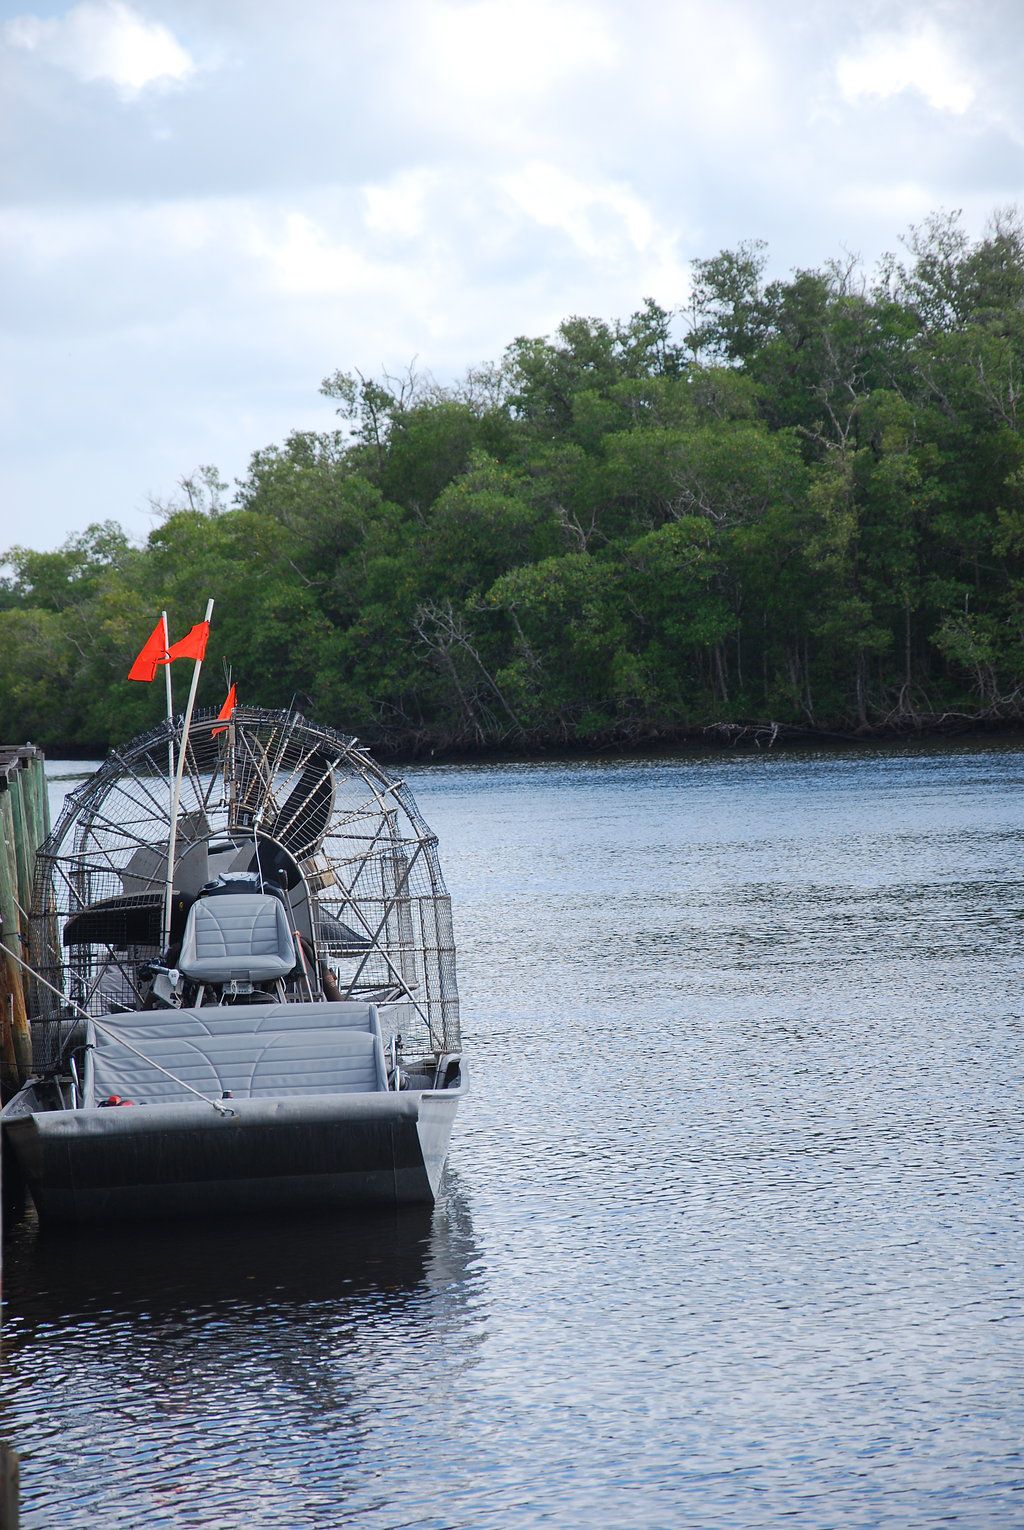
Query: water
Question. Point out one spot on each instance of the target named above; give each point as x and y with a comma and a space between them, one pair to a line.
731, 1231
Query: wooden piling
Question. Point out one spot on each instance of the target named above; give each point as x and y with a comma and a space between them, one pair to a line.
24, 824
9, 1487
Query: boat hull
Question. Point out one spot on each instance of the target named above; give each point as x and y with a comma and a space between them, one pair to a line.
321, 1151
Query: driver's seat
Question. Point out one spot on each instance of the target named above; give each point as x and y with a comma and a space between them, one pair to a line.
237, 937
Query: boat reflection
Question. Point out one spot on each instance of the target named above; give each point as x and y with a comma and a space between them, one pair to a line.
230, 1374
291, 1262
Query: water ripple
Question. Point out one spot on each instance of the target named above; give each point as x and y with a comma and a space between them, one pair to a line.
731, 1234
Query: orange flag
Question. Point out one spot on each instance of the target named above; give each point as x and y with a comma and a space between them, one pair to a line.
191, 646
153, 652
225, 712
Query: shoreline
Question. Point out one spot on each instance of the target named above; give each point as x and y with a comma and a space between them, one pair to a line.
695, 739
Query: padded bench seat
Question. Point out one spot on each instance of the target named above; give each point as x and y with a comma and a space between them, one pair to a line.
247, 1054
223, 1019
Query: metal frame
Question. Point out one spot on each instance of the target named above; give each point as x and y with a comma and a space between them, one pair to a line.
253, 772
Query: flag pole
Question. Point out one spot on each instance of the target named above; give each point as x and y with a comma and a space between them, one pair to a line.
176, 795
170, 710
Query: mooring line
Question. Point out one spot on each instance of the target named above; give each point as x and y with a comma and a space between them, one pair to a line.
218, 1105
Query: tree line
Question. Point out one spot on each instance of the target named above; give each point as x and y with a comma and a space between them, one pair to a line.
799, 504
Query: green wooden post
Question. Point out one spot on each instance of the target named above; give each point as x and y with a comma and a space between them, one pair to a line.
24, 823
24, 850
44, 937
16, 1049
9, 1487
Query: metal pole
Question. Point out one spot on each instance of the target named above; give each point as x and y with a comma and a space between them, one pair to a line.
176, 795
170, 717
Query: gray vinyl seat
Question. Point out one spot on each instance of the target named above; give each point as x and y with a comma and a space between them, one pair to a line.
237, 936
157, 1058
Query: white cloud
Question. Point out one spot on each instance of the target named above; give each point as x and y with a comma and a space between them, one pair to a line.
420, 239
713, 68
919, 59
874, 200
399, 209
55, 243
606, 223
303, 260
105, 40
372, 182
520, 48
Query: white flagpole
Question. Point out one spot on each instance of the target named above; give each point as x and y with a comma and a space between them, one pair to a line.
176, 796
170, 711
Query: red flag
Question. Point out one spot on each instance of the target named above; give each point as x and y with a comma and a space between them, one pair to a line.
153, 653
225, 712
191, 646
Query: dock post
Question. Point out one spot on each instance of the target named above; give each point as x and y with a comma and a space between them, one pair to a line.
24, 824
9, 1487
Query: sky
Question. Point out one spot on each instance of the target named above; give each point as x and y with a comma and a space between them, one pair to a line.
206, 208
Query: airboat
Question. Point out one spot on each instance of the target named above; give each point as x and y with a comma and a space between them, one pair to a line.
244, 992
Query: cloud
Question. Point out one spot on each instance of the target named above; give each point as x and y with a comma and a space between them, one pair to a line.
919, 59
105, 40
605, 222
305, 260
427, 247
346, 184
512, 48
400, 207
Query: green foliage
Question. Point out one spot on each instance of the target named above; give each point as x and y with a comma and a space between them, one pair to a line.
811, 512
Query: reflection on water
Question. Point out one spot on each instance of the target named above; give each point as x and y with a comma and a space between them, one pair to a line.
229, 1373
731, 1235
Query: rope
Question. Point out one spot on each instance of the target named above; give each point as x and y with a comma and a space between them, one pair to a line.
218, 1105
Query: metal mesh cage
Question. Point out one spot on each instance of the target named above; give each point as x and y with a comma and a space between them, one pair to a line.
272, 792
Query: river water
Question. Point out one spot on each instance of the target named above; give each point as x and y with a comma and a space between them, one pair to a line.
731, 1231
